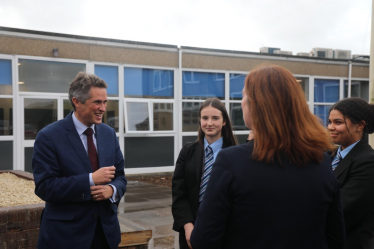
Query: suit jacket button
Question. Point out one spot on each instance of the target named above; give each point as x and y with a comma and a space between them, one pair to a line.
95, 215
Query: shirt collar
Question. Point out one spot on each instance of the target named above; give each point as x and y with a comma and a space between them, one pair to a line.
344, 152
80, 126
215, 146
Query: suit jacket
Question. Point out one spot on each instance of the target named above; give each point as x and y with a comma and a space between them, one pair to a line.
355, 174
61, 172
252, 204
186, 184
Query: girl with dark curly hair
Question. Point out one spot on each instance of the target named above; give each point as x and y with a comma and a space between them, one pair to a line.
353, 165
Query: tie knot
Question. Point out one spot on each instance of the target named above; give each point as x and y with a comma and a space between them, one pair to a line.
208, 149
88, 132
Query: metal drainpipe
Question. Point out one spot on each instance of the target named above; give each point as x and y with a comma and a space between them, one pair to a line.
349, 78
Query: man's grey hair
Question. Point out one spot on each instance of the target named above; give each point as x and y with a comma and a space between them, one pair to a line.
81, 85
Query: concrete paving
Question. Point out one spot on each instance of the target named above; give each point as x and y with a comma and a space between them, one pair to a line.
149, 206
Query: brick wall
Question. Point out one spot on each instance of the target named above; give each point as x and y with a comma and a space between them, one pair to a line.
19, 226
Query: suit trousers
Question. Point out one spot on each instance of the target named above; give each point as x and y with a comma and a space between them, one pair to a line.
99, 240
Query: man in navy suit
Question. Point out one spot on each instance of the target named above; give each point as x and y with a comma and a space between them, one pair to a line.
81, 195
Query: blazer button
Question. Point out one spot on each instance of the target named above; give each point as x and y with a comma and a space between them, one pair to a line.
95, 215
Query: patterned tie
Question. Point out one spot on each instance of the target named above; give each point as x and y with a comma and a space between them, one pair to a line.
92, 153
336, 161
207, 169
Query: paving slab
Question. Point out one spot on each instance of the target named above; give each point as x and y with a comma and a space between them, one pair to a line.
149, 206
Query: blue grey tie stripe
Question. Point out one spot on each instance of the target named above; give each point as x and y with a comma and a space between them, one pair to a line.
336, 161
208, 162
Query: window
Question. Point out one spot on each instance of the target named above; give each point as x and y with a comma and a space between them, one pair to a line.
190, 116
110, 75
6, 155
148, 83
236, 86
236, 116
304, 83
149, 115
149, 151
326, 91
6, 116
47, 76
358, 89
201, 85
38, 114
5, 77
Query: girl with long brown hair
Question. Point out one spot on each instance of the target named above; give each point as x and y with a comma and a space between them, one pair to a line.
193, 166
277, 191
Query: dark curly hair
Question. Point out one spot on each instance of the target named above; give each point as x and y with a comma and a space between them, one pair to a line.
356, 110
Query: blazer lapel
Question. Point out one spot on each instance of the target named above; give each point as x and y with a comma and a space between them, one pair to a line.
199, 162
100, 145
344, 164
76, 142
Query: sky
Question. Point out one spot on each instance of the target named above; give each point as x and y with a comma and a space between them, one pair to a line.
242, 25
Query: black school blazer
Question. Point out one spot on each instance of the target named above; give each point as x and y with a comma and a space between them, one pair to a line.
186, 184
355, 174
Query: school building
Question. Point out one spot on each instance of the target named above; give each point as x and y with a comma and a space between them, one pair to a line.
154, 92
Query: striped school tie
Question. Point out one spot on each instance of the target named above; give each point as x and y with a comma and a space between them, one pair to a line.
208, 162
336, 161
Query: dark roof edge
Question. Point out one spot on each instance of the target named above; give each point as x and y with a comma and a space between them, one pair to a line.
234, 52
80, 37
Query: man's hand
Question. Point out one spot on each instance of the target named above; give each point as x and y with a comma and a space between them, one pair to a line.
188, 230
103, 175
101, 192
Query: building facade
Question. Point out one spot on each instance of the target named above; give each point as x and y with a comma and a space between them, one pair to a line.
154, 92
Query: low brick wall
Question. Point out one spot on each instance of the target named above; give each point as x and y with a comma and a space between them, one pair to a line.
19, 225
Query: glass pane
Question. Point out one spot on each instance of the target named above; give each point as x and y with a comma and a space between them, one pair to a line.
304, 83
6, 155
162, 116
38, 114
358, 89
110, 75
6, 77
198, 85
111, 115
236, 86
6, 117
322, 111
146, 83
28, 159
186, 139
326, 91
190, 116
67, 107
149, 152
138, 116
236, 115
47, 76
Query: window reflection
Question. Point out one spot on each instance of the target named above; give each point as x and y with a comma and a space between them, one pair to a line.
47, 76
6, 77
304, 83
236, 116
190, 116
200, 85
358, 89
6, 117
138, 116
111, 115
38, 114
162, 116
